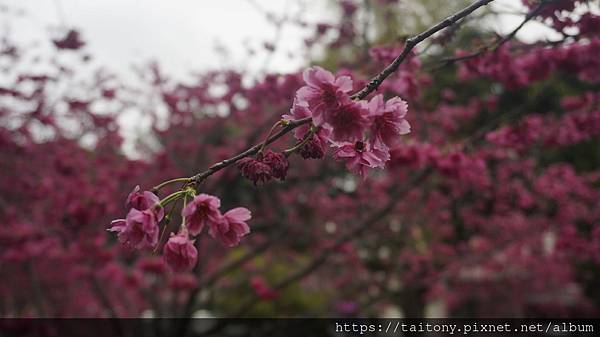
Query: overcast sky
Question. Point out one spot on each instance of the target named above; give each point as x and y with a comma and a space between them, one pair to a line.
182, 34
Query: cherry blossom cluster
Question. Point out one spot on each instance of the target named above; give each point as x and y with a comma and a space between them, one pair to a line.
140, 229
508, 194
361, 132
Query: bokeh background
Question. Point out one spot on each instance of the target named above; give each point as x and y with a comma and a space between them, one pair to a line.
489, 208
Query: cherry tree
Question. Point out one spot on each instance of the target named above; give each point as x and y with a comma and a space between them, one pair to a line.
453, 167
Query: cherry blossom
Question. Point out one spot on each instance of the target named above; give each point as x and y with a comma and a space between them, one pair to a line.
388, 121
179, 253
360, 157
202, 210
232, 226
324, 93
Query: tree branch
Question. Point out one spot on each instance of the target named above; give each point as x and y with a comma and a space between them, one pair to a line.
413, 42
200, 177
500, 41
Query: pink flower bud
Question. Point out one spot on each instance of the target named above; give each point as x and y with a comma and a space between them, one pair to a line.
141, 200
313, 149
278, 162
255, 170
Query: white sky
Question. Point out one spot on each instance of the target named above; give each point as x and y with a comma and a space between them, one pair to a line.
182, 34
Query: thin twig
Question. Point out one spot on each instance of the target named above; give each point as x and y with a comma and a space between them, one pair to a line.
499, 42
413, 42
200, 177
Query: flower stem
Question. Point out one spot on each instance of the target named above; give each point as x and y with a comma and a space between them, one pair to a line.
308, 137
264, 144
168, 218
182, 217
168, 182
172, 197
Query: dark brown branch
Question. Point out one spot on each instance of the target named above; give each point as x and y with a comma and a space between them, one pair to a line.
200, 177
413, 42
500, 41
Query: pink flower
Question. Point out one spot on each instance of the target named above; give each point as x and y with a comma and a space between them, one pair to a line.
278, 162
388, 121
255, 169
323, 93
141, 200
202, 210
315, 147
349, 121
360, 157
232, 226
179, 253
298, 111
138, 230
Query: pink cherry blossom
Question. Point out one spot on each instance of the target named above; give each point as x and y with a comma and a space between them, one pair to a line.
315, 147
360, 157
388, 121
138, 230
179, 253
323, 93
298, 111
141, 200
349, 121
202, 210
232, 226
